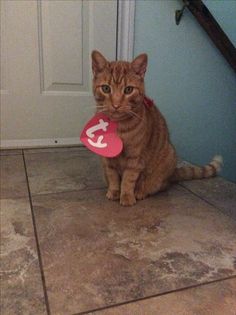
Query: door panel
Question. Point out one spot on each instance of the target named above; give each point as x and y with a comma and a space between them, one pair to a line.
46, 76
62, 45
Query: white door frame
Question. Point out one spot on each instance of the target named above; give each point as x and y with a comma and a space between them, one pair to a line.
124, 51
125, 34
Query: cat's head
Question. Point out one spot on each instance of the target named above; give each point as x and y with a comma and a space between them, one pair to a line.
118, 86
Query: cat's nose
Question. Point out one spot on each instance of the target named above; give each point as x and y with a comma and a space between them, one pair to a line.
116, 105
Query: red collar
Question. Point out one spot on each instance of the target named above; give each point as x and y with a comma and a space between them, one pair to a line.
148, 102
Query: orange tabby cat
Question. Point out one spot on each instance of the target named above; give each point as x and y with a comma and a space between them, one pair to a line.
148, 161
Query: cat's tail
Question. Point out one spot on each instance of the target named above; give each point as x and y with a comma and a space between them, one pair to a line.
189, 172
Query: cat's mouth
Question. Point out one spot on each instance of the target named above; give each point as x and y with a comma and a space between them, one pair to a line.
117, 116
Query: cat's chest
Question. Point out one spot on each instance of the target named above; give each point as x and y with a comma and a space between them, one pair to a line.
119, 163
128, 154
132, 130
128, 136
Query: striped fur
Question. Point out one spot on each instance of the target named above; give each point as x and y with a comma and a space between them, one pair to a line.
148, 162
198, 172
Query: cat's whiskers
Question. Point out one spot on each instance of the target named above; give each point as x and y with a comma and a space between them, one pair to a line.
102, 110
100, 107
135, 114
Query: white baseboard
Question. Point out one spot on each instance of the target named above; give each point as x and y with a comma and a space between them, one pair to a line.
33, 143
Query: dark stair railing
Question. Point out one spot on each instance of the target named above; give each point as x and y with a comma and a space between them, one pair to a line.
213, 29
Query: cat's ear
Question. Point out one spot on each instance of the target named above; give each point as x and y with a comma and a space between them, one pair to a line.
98, 62
139, 64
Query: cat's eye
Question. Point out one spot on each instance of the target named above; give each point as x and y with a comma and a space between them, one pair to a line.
128, 89
106, 89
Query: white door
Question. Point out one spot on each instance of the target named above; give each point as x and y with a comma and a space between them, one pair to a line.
45, 67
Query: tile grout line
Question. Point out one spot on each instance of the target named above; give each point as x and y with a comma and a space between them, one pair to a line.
13, 154
113, 306
206, 201
36, 239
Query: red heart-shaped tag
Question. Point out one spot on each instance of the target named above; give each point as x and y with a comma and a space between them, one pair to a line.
99, 135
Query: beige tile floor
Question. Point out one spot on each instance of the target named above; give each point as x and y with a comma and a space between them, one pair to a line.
67, 250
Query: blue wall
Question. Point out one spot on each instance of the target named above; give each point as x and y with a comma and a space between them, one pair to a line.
190, 81
225, 14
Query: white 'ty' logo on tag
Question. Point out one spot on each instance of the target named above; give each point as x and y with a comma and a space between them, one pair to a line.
102, 125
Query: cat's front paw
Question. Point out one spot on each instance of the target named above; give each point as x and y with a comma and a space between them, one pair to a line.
113, 194
140, 195
127, 200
